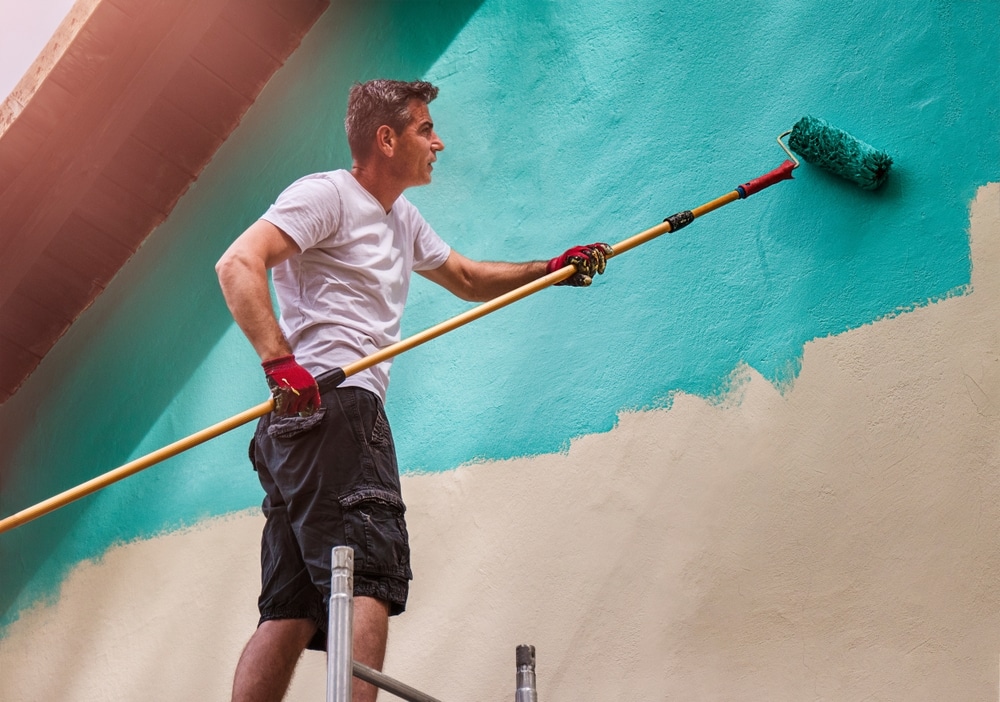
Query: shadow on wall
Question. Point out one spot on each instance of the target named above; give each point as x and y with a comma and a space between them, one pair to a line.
129, 376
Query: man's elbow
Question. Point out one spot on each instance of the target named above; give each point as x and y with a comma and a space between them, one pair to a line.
468, 294
224, 266
231, 267
467, 289
457, 279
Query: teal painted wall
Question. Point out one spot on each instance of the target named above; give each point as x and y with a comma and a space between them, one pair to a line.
564, 122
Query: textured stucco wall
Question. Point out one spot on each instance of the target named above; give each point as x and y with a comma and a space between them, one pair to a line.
856, 559
784, 484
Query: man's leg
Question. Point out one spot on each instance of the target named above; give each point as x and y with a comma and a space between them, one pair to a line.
268, 661
371, 629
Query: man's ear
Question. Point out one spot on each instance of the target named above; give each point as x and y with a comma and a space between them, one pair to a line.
385, 140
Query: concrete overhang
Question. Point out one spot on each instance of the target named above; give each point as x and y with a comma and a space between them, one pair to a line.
121, 111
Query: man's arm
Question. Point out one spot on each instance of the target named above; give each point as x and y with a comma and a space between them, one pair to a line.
479, 281
242, 272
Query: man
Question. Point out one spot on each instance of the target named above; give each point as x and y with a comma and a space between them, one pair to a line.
341, 246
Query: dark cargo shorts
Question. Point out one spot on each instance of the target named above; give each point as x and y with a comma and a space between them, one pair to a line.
330, 480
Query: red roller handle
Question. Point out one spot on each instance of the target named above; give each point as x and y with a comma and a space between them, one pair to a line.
782, 172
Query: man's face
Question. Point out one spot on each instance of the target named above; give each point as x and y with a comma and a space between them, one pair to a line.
418, 146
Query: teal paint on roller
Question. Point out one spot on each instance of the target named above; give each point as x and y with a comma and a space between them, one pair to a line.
838, 152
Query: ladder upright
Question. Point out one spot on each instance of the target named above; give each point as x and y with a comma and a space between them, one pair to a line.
341, 667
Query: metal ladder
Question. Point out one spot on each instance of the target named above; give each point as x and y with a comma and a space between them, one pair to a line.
341, 668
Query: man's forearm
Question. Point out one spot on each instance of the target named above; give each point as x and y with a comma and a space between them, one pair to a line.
494, 278
244, 286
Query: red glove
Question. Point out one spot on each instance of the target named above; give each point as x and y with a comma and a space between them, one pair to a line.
589, 261
294, 390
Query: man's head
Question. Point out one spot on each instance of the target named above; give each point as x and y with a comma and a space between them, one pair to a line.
381, 102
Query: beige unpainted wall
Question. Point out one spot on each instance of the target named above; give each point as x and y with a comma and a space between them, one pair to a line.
835, 541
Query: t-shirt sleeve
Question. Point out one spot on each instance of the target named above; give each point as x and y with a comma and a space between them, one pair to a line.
308, 211
429, 250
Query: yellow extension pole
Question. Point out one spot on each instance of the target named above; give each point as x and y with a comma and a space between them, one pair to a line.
391, 351
133, 467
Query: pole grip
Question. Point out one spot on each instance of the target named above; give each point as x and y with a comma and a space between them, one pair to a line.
782, 172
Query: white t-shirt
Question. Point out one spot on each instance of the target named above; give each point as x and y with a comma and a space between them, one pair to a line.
342, 297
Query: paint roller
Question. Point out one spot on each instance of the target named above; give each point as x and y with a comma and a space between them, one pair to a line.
813, 139
838, 152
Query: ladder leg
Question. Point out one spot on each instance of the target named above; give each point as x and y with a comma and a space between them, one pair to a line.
340, 634
526, 691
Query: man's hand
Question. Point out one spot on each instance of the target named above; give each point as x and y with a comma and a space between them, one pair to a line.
294, 389
589, 261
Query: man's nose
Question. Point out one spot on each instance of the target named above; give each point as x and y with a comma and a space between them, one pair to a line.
436, 142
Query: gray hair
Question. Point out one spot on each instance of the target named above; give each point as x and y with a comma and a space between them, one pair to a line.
378, 102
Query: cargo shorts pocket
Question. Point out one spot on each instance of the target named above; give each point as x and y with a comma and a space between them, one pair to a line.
374, 526
290, 426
